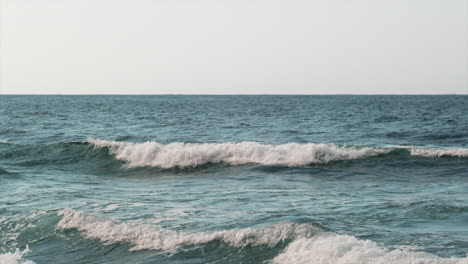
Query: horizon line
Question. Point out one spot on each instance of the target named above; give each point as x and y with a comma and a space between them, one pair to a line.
233, 94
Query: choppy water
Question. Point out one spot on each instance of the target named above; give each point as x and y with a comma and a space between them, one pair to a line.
234, 179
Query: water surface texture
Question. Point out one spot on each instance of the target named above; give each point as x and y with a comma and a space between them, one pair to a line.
234, 179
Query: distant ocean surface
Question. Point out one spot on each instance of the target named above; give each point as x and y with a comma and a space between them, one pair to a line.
234, 179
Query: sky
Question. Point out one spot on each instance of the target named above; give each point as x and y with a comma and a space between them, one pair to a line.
234, 47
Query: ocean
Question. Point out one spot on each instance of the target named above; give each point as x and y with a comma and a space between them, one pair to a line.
234, 179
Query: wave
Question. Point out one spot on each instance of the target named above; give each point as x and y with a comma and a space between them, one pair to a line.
344, 249
71, 154
437, 153
15, 257
185, 155
143, 236
102, 156
3, 171
306, 243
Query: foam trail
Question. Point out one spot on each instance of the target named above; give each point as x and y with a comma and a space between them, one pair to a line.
15, 257
344, 249
436, 153
185, 155
153, 237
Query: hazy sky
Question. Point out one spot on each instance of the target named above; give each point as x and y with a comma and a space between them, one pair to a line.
236, 46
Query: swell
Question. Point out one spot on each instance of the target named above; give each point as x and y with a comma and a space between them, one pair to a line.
303, 243
71, 154
111, 155
4, 171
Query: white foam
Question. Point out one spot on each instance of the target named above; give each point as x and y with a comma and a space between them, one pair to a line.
15, 257
344, 249
3, 141
111, 207
185, 155
435, 153
309, 244
143, 236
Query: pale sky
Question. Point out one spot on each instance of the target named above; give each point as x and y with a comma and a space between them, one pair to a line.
234, 47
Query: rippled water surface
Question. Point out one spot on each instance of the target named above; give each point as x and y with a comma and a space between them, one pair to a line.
234, 179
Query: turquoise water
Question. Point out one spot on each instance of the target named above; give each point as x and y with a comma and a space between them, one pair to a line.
234, 179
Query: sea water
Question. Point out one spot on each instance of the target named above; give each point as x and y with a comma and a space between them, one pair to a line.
234, 179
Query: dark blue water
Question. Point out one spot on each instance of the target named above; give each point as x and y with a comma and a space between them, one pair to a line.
234, 179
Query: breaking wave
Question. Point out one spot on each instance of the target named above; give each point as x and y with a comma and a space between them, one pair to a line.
307, 243
185, 155
344, 249
109, 155
152, 237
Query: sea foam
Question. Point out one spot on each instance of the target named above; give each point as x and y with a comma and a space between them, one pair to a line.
345, 249
184, 155
15, 257
307, 243
142, 236
436, 153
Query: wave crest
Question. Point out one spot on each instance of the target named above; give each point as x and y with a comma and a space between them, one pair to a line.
344, 249
307, 243
153, 237
185, 155
437, 153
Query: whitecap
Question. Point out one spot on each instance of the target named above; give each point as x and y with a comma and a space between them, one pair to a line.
144, 236
184, 155
345, 249
308, 244
439, 152
111, 207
